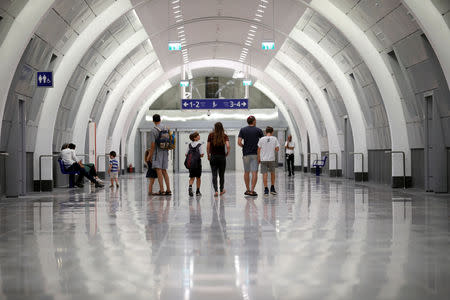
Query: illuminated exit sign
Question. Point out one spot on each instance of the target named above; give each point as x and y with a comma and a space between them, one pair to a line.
268, 45
174, 46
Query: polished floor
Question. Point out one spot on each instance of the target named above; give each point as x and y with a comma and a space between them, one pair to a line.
317, 239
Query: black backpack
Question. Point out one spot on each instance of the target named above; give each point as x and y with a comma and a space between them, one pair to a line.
193, 159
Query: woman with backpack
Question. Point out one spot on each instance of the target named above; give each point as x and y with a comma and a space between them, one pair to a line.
217, 142
193, 162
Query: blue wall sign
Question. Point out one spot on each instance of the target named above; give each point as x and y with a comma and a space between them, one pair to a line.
44, 79
214, 104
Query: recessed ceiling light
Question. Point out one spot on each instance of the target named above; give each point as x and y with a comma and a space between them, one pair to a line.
263, 6
177, 16
175, 1
249, 38
181, 35
247, 44
179, 20
175, 7
181, 27
265, 1
181, 31
256, 19
254, 26
251, 34
252, 30
246, 49
258, 15
176, 12
261, 11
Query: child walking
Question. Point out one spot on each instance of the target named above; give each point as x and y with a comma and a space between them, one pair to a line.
267, 147
193, 162
151, 173
113, 170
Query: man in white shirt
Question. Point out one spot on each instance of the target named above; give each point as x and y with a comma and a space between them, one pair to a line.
267, 146
290, 145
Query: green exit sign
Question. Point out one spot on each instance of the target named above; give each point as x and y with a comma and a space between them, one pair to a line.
174, 46
268, 45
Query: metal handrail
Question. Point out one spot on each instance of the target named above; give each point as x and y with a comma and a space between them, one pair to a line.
362, 163
335, 163
309, 165
404, 165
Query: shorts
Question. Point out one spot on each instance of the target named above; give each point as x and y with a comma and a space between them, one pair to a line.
113, 175
151, 173
195, 173
268, 166
251, 163
160, 159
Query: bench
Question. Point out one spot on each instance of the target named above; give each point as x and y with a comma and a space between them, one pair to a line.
320, 163
70, 173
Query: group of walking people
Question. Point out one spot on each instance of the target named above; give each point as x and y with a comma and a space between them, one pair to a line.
257, 149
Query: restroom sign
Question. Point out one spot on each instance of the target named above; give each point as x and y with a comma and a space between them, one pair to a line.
44, 79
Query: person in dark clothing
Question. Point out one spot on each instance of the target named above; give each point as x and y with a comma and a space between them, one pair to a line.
248, 139
215, 149
290, 145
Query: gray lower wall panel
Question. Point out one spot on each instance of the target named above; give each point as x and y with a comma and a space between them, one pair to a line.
417, 168
29, 170
380, 166
2, 175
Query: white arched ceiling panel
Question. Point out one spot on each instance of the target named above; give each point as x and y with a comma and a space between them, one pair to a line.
302, 106
344, 87
15, 43
436, 30
88, 100
114, 99
322, 103
382, 77
103, 128
291, 100
68, 64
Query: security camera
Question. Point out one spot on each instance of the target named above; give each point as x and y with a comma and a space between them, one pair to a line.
208, 112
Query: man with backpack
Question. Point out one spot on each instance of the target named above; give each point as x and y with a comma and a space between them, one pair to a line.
161, 142
193, 162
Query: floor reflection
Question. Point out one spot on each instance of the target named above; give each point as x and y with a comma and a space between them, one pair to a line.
317, 239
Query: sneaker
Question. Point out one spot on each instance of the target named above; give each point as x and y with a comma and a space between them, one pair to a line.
272, 190
266, 191
111, 186
80, 185
197, 193
191, 193
98, 185
117, 185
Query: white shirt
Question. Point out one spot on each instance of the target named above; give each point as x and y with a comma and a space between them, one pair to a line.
194, 144
68, 157
290, 144
268, 145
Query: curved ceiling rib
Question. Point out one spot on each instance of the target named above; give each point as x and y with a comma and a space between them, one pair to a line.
63, 73
119, 128
88, 100
382, 76
322, 103
134, 122
345, 89
436, 30
15, 43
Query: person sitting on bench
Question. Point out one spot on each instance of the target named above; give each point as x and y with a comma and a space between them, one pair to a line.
71, 164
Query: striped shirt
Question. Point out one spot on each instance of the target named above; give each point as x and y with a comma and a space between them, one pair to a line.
114, 164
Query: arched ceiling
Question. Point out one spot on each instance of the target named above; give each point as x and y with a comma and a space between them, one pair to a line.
218, 28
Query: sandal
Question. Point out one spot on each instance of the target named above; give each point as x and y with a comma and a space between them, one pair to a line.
160, 193
168, 193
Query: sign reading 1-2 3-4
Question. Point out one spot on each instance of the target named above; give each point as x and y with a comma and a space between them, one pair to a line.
214, 104
44, 79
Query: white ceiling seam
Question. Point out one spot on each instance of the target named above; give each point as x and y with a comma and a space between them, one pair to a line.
68, 64
117, 95
382, 76
321, 101
292, 103
435, 28
97, 82
15, 43
348, 95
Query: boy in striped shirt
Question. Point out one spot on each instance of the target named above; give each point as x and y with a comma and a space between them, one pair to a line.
113, 170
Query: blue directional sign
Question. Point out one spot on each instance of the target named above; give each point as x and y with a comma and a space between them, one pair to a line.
214, 104
44, 79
